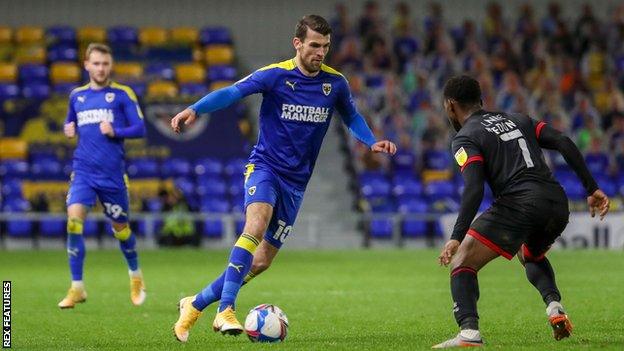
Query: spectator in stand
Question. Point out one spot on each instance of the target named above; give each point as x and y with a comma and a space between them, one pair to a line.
596, 159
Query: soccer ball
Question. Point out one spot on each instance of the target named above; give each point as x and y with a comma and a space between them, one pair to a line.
266, 323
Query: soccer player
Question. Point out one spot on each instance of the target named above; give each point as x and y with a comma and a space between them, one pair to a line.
102, 114
299, 97
530, 210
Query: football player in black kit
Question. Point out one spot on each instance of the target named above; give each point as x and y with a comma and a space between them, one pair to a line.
529, 212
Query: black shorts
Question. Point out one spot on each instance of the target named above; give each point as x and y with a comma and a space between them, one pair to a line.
512, 221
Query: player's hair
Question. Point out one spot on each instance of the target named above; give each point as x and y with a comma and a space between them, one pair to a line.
463, 89
99, 47
314, 22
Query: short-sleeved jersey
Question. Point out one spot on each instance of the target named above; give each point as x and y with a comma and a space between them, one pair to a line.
98, 155
294, 116
507, 144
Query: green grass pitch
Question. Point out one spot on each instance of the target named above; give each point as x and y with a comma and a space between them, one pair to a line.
335, 300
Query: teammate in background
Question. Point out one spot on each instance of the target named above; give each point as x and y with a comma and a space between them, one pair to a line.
299, 97
530, 210
102, 114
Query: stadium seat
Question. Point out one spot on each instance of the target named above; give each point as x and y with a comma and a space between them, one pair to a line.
62, 53
30, 53
573, 188
437, 160
159, 70
52, 227
185, 185
139, 88
154, 204
607, 184
162, 89
122, 35
8, 91
214, 187
61, 35
18, 228
222, 73
236, 188
235, 167
413, 227
146, 167
128, 71
407, 187
13, 168
15, 205
65, 72
36, 91
6, 34
28, 35
33, 73
184, 35
375, 187
381, 228
153, 36
91, 34
14, 148
11, 188
215, 35
194, 89
218, 55
208, 167
64, 88
220, 84
437, 190
190, 73
8, 72
213, 228
176, 167
47, 168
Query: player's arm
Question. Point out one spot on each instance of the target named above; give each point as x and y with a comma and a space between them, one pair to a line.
134, 118
550, 138
470, 160
256, 82
357, 124
69, 128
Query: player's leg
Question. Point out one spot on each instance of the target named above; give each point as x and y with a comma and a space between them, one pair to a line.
116, 208
79, 197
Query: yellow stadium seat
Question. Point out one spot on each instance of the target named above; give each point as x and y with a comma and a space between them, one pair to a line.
53, 189
184, 35
190, 73
13, 148
64, 72
91, 35
8, 72
7, 52
125, 71
220, 84
34, 53
162, 89
218, 55
431, 175
6, 34
153, 36
28, 35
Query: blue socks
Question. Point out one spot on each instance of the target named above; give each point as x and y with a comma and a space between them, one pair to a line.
75, 248
239, 265
127, 245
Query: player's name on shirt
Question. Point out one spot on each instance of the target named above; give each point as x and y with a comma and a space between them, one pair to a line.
498, 124
95, 116
305, 113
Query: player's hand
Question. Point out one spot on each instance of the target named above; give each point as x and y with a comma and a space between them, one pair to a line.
70, 129
449, 249
384, 146
598, 201
106, 128
187, 116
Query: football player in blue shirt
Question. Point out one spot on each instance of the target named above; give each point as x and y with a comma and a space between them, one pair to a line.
102, 114
299, 98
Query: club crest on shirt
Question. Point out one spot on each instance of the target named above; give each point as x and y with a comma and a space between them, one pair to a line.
461, 156
326, 88
252, 190
109, 97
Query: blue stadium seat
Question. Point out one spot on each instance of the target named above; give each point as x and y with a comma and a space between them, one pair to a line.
61, 34
406, 186
194, 89
222, 73
176, 167
9, 91
62, 53
236, 188
403, 160
16, 204
437, 160
117, 35
64, 88
13, 169
573, 188
213, 228
235, 167
597, 163
18, 228
159, 71
169, 54
411, 227
440, 189
47, 168
186, 185
36, 91
52, 227
215, 35
208, 187
29, 73
139, 88
381, 228
142, 225
208, 167
11, 188
607, 184
381, 204
154, 204
375, 187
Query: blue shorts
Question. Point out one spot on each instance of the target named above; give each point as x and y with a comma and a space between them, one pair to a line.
263, 186
83, 190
